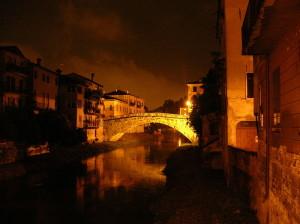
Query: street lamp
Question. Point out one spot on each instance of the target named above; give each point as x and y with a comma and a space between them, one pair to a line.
188, 103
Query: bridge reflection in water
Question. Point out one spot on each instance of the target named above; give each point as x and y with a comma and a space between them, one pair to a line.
121, 168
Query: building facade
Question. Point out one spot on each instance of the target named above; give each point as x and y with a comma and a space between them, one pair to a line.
13, 78
114, 107
118, 103
80, 100
44, 86
135, 104
193, 89
271, 34
239, 75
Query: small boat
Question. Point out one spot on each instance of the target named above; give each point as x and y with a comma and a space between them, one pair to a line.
38, 150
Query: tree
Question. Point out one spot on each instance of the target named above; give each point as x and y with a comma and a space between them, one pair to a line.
211, 102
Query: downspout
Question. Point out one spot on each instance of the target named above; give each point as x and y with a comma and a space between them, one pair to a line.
268, 133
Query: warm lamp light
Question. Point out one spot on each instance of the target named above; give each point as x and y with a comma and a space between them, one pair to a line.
188, 103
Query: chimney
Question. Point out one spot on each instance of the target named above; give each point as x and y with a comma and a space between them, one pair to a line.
92, 76
38, 61
58, 71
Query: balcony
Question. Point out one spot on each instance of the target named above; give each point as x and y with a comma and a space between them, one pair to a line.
91, 110
93, 94
90, 124
265, 23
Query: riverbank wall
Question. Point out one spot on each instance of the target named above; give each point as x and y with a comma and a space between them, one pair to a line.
195, 194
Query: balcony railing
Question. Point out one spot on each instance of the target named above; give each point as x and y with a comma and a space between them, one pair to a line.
250, 21
91, 123
91, 110
93, 94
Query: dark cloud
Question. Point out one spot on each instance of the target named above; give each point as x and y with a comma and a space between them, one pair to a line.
148, 47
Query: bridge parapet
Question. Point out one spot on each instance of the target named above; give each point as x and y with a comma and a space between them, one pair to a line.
115, 127
167, 115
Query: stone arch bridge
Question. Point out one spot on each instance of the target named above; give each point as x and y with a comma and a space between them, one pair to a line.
116, 127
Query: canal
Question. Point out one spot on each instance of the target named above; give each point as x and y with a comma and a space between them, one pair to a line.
119, 186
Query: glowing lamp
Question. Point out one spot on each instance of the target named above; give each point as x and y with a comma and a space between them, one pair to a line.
188, 103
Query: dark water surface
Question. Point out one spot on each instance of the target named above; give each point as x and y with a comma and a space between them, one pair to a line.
113, 187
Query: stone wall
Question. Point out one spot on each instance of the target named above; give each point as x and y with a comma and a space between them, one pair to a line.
284, 187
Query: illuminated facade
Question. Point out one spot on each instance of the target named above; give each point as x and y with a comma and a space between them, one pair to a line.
240, 124
134, 104
118, 103
114, 107
192, 89
80, 100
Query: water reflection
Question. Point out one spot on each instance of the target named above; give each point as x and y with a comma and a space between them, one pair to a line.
113, 187
124, 167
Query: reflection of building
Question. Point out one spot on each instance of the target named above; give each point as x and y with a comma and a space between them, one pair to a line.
192, 89
119, 103
13, 80
80, 100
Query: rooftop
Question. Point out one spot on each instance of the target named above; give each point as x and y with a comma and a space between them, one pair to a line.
12, 49
80, 78
118, 92
195, 82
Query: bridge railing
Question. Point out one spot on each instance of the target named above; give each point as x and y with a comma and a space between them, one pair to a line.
166, 115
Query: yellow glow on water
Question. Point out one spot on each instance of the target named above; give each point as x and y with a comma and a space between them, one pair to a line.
120, 168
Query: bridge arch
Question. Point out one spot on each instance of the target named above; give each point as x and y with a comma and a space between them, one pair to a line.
116, 127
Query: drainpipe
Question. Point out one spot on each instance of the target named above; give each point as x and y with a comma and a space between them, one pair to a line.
268, 135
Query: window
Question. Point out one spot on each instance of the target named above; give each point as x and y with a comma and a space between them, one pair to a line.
44, 78
13, 84
250, 85
79, 103
195, 89
48, 79
276, 97
21, 85
111, 107
48, 100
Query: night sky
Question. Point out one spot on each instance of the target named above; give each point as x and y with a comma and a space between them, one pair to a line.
150, 48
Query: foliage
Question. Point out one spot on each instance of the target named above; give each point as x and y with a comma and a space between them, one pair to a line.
211, 101
171, 106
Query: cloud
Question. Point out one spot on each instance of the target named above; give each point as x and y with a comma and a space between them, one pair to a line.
120, 73
102, 27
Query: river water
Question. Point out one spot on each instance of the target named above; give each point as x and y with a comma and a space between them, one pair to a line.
119, 186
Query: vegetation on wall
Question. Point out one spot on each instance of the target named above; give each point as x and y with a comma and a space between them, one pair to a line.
170, 106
